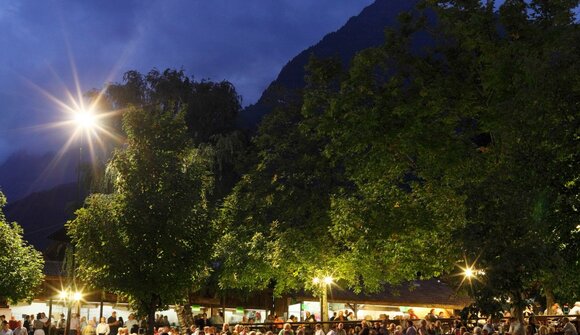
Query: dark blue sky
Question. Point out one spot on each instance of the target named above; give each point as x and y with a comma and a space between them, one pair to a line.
246, 42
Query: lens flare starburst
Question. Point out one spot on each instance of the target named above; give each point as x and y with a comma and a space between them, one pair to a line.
86, 123
469, 272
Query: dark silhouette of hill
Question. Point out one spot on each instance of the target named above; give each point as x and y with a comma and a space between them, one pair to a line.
360, 32
42, 213
23, 172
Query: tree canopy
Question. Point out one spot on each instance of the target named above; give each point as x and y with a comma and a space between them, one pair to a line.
416, 160
20, 264
149, 240
210, 108
468, 147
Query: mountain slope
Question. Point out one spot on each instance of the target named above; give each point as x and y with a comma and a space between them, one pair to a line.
24, 172
43, 213
360, 32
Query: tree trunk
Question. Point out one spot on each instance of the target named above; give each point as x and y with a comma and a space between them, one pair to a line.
151, 315
185, 318
518, 313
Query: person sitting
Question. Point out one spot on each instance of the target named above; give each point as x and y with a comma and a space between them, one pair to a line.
412, 314
574, 311
568, 327
431, 315
286, 329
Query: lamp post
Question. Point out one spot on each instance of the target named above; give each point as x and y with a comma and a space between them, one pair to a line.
69, 298
323, 284
85, 122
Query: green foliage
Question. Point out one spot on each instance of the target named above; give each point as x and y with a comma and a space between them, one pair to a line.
20, 264
412, 160
210, 107
465, 149
274, 223
210, 110
149, 240
522, 214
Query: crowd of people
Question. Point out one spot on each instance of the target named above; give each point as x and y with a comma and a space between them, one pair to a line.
342, 324
40, 324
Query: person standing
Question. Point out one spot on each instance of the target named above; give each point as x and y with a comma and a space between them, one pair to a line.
20, 329
89, 329
132, 325
38, 325
13, 323
27, 325
103, 327
411, 330
75, 325
83, 324
113, 323
61, 324
5, 328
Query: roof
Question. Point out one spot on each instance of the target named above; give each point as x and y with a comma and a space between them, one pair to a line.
425, 293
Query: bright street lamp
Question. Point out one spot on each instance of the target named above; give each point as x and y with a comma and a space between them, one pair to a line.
468, 273
84, 119
69, 298
323, 284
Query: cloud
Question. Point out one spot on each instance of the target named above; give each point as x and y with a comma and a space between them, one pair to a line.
45, 42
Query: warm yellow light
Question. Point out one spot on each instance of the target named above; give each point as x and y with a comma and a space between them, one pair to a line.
77, 296
62, 295
468, 273
328, 280
84, 119
316, 280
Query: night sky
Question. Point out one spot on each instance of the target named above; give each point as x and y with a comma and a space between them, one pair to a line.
44, 42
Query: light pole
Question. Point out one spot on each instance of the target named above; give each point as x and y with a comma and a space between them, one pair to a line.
323, 284
85, 122
69, 298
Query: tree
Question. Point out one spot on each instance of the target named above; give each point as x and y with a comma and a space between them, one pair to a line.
210, 107
465, 148
210, 112
297, 214
273, 224
20, 264
149, 240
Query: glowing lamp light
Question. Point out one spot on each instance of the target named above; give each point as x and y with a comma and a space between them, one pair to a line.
316, 280
328, 280
77, 296
468, 273
68, 295
84, 119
